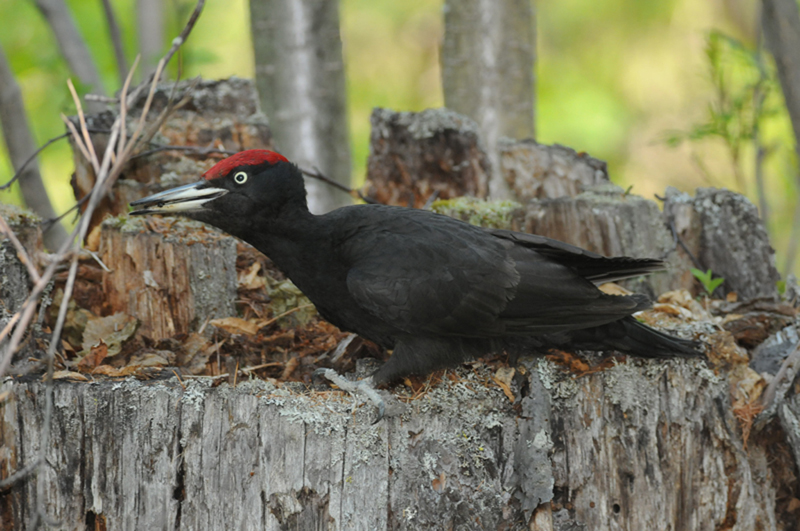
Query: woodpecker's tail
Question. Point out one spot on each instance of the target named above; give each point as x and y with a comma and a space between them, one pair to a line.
632, 337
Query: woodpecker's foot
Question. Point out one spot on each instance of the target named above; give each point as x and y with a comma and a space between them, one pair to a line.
364, 386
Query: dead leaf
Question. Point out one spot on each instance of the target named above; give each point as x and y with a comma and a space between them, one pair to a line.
113, 331
236, 325
93, 358
71, 375
503, 377
249, 279
113, 372
439, 483
196, 351
149, 359
93, 239
610, 288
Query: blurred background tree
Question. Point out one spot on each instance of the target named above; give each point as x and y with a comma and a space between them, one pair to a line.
650, 87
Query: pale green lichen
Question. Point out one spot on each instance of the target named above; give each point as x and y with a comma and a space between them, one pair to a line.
490, 214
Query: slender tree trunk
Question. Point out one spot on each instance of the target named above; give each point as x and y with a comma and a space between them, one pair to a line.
487, 70
780, 21
72, 47
20, 144
116, 40
301, 86
150, 18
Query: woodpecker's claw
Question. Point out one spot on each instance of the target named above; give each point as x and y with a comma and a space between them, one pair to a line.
364, 386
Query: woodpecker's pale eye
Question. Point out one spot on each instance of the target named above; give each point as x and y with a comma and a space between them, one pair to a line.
240, 178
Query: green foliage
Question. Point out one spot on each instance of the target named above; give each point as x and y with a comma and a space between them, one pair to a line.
781, 285
746, 93
709, 283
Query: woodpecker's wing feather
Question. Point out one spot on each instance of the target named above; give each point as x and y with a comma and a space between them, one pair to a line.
589, 265
429, 274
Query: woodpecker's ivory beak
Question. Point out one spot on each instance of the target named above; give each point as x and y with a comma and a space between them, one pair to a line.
186, 198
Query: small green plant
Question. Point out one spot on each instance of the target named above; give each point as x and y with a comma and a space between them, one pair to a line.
709, 283
781, 285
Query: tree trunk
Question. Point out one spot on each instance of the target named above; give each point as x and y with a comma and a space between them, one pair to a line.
72, 47
21, 146
487, 58
301, 85
150, 30
780, 21
642, 445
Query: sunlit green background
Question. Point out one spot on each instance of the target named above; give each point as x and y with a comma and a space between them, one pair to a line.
614, 79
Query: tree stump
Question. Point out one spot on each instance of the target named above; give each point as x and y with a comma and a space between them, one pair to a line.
723, 232
539, 171
414, 156
172, 275
642, 445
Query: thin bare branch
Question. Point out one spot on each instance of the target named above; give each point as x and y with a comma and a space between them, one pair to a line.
86, 136
123, 107
316, 174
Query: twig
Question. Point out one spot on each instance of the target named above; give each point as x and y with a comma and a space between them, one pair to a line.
287, 312
316, 174
123, 108
31, 159
194, 149
86, 136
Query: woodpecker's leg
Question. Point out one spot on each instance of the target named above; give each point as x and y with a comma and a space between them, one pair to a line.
364, 386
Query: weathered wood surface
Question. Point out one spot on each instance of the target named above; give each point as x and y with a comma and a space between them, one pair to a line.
15, 281
173, 279
539, 171
415, 155
724, 233
643, 445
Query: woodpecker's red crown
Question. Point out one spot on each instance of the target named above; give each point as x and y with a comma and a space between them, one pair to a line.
251, 157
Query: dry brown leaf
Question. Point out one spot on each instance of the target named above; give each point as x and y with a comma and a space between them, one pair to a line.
93, 239
237, 325
93, 358
610, 288
113, 372
249, 279
113, 331
439, 483
503, 378
71, 375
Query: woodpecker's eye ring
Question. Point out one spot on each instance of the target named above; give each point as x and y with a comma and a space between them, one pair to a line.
240, 177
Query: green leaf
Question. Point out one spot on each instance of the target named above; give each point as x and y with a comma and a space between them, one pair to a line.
706, 279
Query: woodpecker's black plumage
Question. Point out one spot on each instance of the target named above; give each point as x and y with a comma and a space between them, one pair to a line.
434, 289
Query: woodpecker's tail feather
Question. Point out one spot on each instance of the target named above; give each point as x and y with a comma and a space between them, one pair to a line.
632, 337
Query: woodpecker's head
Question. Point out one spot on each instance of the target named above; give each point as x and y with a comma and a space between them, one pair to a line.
249, 186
